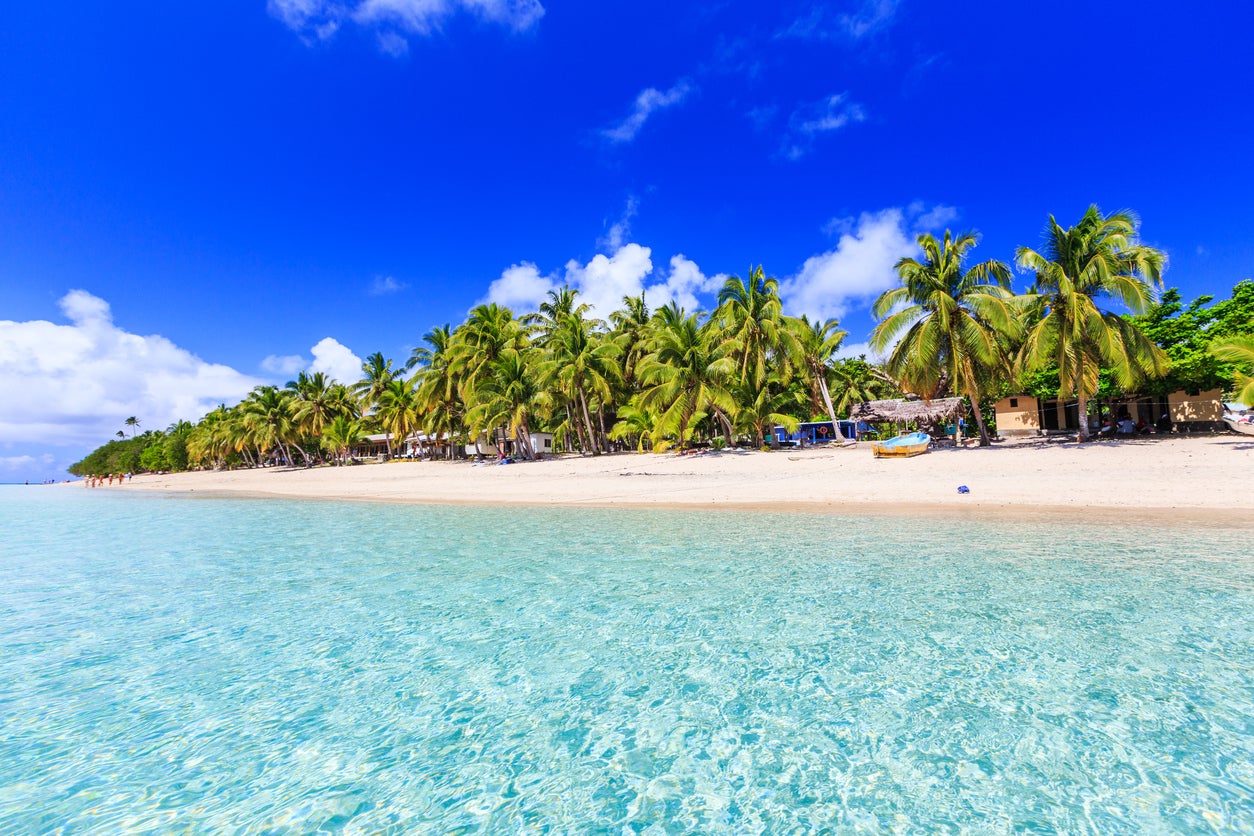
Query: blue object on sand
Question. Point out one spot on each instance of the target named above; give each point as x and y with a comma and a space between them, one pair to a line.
963, 489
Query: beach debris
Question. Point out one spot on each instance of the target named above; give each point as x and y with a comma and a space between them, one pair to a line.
963, 489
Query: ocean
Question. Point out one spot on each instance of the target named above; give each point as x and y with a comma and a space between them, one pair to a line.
174, 664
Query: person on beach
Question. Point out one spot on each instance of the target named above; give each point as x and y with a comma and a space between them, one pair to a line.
1163, 427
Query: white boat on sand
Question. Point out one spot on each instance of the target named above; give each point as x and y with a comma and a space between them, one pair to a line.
1239, 418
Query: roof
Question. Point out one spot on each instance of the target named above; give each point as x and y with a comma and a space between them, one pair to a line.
905, 411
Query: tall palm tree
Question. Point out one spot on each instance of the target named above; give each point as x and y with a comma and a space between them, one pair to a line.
437, 395
267, 421
630, 330
133, 423
1098, 258
582, 365
478, 342
376, 374
951, 324
318, 401
1239, 350
817, 343
397, 412
750, 318
683, 376
509, 396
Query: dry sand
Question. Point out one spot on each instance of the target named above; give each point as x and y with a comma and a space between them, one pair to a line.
1175, 481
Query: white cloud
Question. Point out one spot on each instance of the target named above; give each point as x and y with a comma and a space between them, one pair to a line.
824, 116
857, 270
605, 280
383, 285
75, 384
521, 287
934, 220
283, 364
682, 285
318, 20
649, 101
335, 360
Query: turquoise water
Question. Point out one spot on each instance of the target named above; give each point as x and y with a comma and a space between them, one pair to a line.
183, 665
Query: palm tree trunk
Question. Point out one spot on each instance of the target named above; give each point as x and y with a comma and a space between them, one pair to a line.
831, 410
1082, 400
587, 417
979, 419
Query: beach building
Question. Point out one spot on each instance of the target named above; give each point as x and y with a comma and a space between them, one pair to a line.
913, 411
1024, 415
816, 432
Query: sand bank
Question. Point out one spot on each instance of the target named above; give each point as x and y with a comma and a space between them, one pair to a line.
1190, 481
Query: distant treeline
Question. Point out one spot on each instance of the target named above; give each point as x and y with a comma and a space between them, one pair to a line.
655, 379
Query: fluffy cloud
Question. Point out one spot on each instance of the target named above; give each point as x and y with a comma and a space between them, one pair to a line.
824, 116
75, 384
331, 357
335, 360
320, 19
605, 280
857, 270
283, 364
684, 281
521, 287
649, 101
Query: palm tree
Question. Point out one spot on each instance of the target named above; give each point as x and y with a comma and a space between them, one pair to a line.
750, 319
133, 423
478, 342
376, 374
1239, 350
1098, 258
634, 424
817, 343
318, 401
267, 420
953, 322
761, 405
397, 411
684, 375
437, 384
630, 329
583, 366
509, 396
342, 432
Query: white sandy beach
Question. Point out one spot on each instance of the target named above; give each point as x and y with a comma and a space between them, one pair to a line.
1182, 480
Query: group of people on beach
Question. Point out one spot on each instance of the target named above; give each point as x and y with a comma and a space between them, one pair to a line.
1124, 425
97, 481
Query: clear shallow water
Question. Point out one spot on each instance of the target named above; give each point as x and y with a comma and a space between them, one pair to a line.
246, 666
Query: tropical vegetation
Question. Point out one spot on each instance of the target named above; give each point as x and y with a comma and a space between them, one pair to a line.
668, 378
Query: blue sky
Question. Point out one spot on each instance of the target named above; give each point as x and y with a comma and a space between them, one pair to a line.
231, 184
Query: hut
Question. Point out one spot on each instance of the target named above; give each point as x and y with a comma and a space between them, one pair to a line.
1188, 412
917, 411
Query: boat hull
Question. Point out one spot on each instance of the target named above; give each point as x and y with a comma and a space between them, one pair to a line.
902, 447
1239, 427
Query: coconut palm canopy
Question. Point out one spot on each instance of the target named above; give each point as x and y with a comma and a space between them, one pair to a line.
908, 411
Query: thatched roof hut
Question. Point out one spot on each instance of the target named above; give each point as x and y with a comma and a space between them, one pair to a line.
909, 411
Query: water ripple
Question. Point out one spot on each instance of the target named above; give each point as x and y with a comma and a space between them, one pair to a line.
269, 667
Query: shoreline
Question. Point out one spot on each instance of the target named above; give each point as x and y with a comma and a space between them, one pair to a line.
1175, 482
